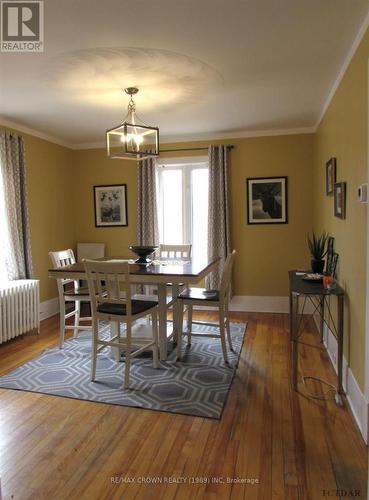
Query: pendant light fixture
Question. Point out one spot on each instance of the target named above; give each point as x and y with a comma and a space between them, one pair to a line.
133, 139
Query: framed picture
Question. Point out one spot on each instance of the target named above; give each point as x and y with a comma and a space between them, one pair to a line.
267, 200
331, 270
340, 199
330, 175
330, 253
111, 205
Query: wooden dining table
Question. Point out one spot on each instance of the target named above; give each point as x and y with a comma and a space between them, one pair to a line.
157, 273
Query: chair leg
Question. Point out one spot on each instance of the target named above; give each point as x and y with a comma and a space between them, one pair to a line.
62, 323
226, 314
77, 315
222, 337
118, 333
229, 334
155, 347
95, 335
189, 324
127, 361
179, 328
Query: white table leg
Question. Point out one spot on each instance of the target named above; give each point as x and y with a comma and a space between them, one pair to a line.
176, 315
162, 295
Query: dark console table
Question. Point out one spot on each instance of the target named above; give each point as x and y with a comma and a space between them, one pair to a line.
315, 293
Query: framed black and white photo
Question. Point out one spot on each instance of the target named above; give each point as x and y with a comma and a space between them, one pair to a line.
340, 199
111, 205
267, 200
330, 175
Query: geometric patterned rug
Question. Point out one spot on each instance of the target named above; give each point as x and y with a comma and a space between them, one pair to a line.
198, 385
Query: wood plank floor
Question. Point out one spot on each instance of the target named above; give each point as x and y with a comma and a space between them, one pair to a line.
286, 445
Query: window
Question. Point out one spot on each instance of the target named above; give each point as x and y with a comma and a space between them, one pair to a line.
183, 203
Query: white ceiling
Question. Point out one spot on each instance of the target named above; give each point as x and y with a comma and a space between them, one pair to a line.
204, 67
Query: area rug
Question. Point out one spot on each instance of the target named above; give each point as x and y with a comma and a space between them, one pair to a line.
198, 385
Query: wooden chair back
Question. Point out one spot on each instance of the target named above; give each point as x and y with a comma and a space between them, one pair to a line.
63, 258
175, 251
108, 282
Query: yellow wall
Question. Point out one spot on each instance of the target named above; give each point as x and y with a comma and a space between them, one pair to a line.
49, 173
91, 168
265, 253
343, 133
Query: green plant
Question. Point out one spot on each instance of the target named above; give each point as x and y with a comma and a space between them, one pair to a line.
317, 245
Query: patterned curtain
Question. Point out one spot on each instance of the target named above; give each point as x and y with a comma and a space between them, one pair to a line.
16, 245
147, 214
219, 240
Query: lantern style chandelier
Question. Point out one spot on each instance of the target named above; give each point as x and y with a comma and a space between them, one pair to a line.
133, 139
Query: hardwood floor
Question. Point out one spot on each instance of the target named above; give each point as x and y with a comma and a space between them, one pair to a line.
289, 446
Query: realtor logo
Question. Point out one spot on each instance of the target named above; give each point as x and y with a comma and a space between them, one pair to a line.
22, 26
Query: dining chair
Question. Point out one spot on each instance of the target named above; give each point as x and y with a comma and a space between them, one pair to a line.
214, 298
110, 291
176, 252
90, 251
179, 252
170, 252
69, 291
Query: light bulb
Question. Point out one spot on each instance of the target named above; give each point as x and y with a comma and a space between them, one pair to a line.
137, 138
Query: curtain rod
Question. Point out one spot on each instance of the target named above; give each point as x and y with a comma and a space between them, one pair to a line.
230, 146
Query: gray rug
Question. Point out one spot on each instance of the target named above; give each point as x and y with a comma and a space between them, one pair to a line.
198, 385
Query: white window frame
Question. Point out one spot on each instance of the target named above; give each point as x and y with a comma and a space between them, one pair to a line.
187, 165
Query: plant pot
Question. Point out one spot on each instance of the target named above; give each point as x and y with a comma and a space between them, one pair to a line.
317, 266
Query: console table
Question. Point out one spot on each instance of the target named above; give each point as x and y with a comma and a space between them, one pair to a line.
315, 293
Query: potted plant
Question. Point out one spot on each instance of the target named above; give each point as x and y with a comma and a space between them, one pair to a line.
318, 250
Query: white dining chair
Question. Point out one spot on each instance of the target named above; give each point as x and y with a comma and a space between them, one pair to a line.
110, 290
176, 252
213, 298
180, 252
69, 291
168, 253
90, 251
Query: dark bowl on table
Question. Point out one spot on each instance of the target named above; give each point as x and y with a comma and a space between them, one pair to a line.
143, 253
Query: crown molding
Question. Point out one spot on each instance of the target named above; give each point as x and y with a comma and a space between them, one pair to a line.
210, 137
344, 67
31, 131
89, 145
241, 134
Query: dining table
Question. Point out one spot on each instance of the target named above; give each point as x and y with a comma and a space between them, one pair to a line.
158, 273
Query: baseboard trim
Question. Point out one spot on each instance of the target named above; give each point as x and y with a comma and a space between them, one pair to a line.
268, 304
49, 308
358, 404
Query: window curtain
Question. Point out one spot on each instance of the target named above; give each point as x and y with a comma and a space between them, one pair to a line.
16, 245
147, 214
219, 240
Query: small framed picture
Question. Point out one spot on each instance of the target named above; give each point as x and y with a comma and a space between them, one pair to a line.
267, 200
330, 175
331, 270
340, 199
111, 205
330, 252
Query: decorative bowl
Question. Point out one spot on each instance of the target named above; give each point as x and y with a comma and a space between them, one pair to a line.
143, 252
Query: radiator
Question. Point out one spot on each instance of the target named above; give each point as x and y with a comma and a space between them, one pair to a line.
19, 308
